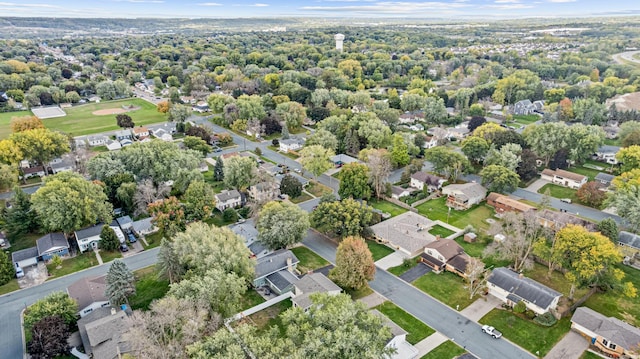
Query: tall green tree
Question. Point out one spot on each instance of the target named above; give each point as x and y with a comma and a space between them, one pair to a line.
198, 201
41, 144
239, 171
629, 158
120, 283
281, 224
19, 219
447, 162
399, 151
323, 138
168, 264
354, 264
346, 217
108, 239
56, 303
7, 272
626, 197
354, 181
67, 202
292, 113
609, 228
290, 186
197, 144
168, 215
475, 148
316, 159
218, 170
499, 179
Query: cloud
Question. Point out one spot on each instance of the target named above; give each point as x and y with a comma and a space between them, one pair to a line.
142, 1
392, 7
507, 1
259, 5
29, 5
561, 1
209, 4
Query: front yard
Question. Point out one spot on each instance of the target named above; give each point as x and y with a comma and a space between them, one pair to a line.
560, 192
446, 350
386, 207
74, 264
405, 266
148, 288
416, 330
108, 256
308, 259
446, 287
535, 338
11, 286
436, 209
378, 251
301, 198
317, 189
617, 305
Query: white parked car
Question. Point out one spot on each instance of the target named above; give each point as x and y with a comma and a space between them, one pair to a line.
491, 331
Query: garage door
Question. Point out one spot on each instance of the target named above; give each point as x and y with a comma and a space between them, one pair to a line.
28, 262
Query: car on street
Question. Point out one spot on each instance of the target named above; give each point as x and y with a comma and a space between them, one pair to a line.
565, 200
217, 149
491, 331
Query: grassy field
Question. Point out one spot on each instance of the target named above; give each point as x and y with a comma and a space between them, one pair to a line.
556, 281
9, 287
148, 288
301, 198
405, 266
250, 299
270, 317
526, 119
386, 207
446, 287
153, 239
526, 333
616, 304
80, 120
217, 220
441, 231
378, 250
560, 192
72, 265
446, 350
436, 209
108, 256
416, 330
589, 172
308, 259
589, 355
359, 293
318, 189
26, 241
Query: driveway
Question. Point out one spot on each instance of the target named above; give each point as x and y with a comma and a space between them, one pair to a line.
33, 276
134, 248
536, 185
571, 346
392, 260
415, 272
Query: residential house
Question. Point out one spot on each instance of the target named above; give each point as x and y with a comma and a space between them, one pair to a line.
558, 220
539, 106
607, 154
629, 244
226, 156
52, 244
37, 171
512, 288
163, 135
291, 144
126, 142
201, 107
228, 199
99, 140
140, 132
459, 133
502, 204
408, 232
407, 118
416, 127
62, 164
610, 335
89, 293
276, 271
113, 145
524, 107
463, 196
433, 182
248, 231
144, 226
398, 192
605, 179
104, 333
445, 254
264, 191
25, 257
125, 223
88, 238
430, 142
310, 284
564, 178
398, 340
124, 134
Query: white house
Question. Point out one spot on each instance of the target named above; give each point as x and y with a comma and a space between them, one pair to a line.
420, 179
61, 164
398, 192
124, 134
607, 154
99, 140
430, 142
264, 191
398, 340
511, 288
310, 284
291, 144
144, 226
463, 196
564, 178
88, 238
140, 132
163, 135
88, 292
113, 145
228, 199
524, 107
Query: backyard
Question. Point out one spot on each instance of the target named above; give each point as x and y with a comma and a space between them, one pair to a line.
446, 287
308, 259
475, 216
270, 317
617, 305
80, 120
148, 288
535, 338
446, 350
378, 250
386, 207
441, 231
416, 330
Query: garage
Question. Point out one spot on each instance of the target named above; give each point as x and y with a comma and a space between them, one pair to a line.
25, 257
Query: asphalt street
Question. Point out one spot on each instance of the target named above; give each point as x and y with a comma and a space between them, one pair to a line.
13, 303
435, 314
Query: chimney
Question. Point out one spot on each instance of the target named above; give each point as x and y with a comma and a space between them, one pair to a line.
113, 311
437, 237
289, 264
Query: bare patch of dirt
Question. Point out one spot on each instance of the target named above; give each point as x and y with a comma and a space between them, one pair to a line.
109, 111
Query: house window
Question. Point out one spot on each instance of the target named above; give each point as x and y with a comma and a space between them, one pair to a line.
612, 346
605, 342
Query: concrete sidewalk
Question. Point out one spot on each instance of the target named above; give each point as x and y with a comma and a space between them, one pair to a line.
536, 185
571, 346
429, 343
392, 260
481, 307
373, 300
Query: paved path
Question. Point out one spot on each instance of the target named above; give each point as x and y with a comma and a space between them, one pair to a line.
416, 272
481, 307
571, 346
435, 314
536, 185
626, 57
373, 300
392, 260
13, 303
429, 343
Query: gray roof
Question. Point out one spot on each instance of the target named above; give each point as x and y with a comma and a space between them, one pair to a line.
23, 254
227, 195
316, 283
604, 177
88, 290
523, 287
124, 222
408, 230
608, 149
629, 239
612, 329
282, 279
274, 262
257, 247
101, 332
469, 190
89, 231
428, 178
291, 141
142, 225
50, 241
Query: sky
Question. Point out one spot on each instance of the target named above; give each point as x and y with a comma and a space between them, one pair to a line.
454, 9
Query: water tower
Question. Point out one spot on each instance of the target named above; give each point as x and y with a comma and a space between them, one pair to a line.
339, 39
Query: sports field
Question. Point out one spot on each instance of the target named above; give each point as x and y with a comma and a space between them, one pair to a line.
80, 120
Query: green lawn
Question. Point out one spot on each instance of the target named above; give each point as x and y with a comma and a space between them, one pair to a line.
301, 198
590, 355
148, 288
359, 293
589, 172
80, 120
318, 189
11, 286
5, 121
441, 231
387, 207
446, 350
153, 239
526, 119
308, 259
560, 192
108, 256
378, 250
405, 266
217, 220
436, 209
556, 281
416, 330
446, 287
616, 304
526, 333
250, 299
72, 265
270, 317
25, 241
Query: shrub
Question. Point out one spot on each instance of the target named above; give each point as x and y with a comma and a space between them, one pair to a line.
229, 215
547, 319
520, 307
258, 151
530, 314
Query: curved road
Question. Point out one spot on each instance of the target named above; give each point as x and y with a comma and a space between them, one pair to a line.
626, 57
13, 303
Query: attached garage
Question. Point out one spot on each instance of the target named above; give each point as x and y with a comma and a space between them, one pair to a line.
25, 257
